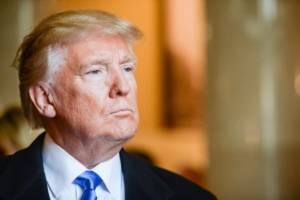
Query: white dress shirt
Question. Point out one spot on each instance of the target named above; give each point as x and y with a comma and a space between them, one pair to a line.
61, 169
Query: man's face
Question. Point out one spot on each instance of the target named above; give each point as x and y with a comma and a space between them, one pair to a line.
95, 90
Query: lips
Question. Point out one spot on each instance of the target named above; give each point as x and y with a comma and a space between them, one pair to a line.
122, 111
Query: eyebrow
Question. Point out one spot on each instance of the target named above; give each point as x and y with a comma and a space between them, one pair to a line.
101, 61
105, 61
128, 59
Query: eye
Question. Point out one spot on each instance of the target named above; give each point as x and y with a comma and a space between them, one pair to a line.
95, 71
128, 69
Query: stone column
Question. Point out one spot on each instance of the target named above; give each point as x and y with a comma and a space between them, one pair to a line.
253, 111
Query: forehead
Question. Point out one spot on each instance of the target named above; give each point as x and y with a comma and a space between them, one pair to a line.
88, 48
97, 44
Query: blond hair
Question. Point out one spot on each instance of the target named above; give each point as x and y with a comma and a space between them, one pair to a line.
32, 59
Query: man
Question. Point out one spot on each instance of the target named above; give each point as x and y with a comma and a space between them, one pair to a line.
76, 72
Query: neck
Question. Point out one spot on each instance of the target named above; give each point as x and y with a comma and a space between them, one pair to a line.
90, 151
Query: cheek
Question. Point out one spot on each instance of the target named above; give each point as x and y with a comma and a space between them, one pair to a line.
93, 100
133, 85
77, 102
134, 92
84, 109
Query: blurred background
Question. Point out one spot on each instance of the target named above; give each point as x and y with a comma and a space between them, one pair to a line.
217, 88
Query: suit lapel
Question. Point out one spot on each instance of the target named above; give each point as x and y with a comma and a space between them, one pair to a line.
141, 182
23, 177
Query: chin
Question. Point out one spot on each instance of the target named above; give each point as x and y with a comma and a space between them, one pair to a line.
121, 136
122, 130
119, 132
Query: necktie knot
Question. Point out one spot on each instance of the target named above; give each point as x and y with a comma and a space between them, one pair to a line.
88, 181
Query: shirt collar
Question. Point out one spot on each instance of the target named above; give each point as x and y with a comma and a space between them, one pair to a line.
111, 173
61, 169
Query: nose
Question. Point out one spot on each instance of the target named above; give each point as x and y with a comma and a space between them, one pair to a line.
120, 86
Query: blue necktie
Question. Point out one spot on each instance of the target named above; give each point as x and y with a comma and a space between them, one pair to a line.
88, 181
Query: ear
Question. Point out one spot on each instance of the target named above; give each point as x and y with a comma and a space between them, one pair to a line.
42, 100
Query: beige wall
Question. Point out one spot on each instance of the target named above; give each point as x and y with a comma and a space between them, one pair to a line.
8, 46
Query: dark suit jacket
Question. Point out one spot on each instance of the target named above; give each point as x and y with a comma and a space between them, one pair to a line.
22, 177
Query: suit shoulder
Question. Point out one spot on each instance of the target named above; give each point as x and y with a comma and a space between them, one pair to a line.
160, 181
183, 187
7, 161
22, 159
3, 162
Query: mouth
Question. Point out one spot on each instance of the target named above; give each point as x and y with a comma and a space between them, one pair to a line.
122, 112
